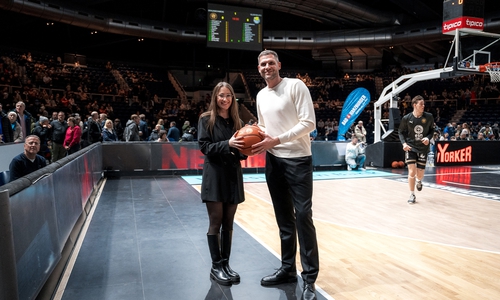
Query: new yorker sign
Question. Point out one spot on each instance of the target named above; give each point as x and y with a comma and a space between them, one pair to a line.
467, 152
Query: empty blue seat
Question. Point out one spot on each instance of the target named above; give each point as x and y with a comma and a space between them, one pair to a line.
4, 177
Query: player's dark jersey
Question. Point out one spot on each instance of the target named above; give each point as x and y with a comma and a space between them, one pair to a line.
412, 130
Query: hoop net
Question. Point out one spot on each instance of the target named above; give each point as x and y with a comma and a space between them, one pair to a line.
493, 68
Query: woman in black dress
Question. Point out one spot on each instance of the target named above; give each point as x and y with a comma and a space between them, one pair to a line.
222, 180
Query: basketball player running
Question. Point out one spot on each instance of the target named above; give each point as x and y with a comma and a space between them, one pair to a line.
415, 131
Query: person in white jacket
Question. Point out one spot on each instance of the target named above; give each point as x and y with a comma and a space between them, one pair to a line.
355, 155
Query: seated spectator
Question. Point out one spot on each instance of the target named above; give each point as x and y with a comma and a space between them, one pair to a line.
162, 136
109, 66
189, 135
43, 111
109, 109
486, 130
354, 155
155, 133
481, 137
64, 101
161, 122
28, 161
186, 126
173, 134
463, 137
102, 109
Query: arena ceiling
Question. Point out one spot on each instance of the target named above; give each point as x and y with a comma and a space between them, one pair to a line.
408, 31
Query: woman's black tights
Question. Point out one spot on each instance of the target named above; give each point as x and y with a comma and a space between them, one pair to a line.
220, 215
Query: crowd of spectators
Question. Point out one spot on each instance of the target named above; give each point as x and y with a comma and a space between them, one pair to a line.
48, 86
467, 132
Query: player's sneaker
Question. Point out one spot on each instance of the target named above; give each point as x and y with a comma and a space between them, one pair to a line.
412, 199
349, 168
419, 185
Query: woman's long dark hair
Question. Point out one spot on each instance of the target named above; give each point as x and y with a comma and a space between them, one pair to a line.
213, 109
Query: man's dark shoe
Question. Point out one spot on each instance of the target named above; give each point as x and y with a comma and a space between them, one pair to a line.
279, 277
309, 292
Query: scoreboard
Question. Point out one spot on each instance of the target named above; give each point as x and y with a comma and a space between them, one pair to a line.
234, 27
463, 14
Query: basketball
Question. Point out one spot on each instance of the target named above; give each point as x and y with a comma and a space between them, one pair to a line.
251, 136
401, 164
395, 164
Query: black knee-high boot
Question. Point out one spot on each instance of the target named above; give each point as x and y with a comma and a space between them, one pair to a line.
217, 272
226, 241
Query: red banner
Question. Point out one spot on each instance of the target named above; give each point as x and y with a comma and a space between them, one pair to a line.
463, 23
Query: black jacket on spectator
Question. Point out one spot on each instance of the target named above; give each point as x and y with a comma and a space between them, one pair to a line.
119, 131
8, 134
58, 131
94, 132
44, 134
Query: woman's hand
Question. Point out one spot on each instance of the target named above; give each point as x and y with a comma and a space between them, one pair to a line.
236, 141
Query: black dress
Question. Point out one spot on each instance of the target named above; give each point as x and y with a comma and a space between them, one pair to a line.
222, 178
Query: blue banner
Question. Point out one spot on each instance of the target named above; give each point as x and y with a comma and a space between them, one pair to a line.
353, 106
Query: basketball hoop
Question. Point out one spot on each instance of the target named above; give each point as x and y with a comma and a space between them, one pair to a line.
493, 68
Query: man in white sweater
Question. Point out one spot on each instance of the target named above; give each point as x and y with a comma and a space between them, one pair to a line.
286, 116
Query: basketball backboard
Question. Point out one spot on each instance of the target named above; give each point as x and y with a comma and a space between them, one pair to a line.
470, 50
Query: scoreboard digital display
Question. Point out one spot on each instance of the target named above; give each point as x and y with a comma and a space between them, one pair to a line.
463, 14
234, 27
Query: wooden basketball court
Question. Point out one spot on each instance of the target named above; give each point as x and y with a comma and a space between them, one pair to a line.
374, 245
